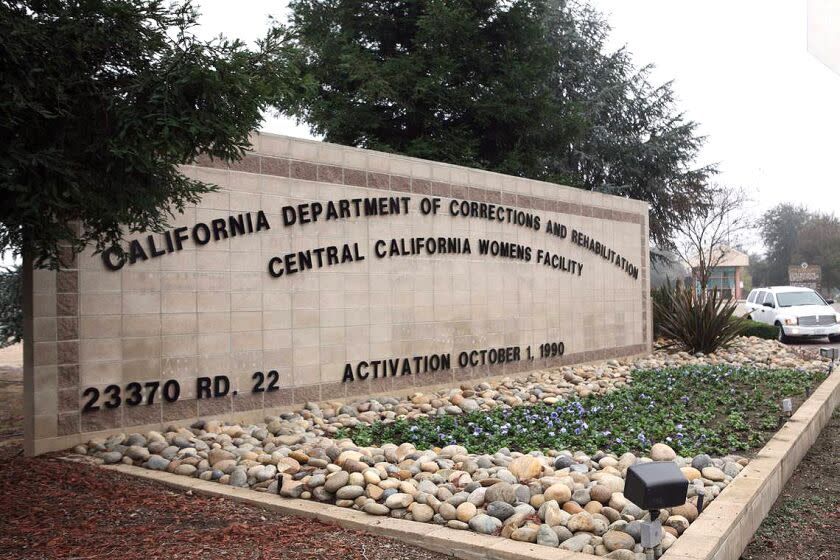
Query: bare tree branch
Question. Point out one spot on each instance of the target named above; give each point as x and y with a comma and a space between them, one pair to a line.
706, 239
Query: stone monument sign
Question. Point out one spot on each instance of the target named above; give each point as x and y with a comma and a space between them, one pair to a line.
322, 272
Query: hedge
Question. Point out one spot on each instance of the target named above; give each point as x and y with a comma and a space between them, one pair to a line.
761, 330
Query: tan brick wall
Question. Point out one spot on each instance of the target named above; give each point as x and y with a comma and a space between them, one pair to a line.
215, 310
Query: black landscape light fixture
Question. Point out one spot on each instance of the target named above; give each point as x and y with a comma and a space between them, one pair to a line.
653, 486
832, 354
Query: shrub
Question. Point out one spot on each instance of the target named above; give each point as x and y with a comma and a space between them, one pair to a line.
761, 330
699, 322
661, 298
11, 306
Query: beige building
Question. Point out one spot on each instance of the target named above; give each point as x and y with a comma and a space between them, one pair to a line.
728, 273
322, 272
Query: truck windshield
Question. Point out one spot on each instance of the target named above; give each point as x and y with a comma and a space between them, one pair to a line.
789, 299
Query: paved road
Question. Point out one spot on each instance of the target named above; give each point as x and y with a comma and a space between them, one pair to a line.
815, 344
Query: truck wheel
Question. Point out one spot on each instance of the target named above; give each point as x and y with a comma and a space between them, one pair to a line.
783, 338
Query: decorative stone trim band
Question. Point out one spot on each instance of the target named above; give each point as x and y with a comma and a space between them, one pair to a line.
308, 171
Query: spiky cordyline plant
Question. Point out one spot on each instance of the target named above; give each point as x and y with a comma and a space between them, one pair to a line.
698, 321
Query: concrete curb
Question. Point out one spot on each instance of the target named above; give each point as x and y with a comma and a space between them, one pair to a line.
726, 527
722, 532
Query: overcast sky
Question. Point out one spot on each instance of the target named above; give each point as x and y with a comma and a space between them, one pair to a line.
741, 69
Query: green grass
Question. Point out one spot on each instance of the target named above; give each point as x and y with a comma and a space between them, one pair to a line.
713, 410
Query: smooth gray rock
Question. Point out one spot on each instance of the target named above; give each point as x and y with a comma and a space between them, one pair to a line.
581, 496
157, 463
111, 457
375, 509
485, 524
577, 542
316, 480
523, 493
169, 452
336, 481
349, 492
500, 492
398, 501
633, 510
634, 529
238, 477
563, 534
563, 462
731, 469
470, 405
547, 537
500, 510
701, 461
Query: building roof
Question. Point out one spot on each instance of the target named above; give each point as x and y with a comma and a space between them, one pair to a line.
730, 257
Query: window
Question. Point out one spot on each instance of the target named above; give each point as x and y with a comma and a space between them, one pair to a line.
759, 297
751, 297
789, 299
768, 298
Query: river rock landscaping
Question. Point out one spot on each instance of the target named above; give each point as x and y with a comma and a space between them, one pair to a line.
539, 459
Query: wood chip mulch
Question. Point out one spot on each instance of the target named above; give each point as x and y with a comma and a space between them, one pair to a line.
54, 509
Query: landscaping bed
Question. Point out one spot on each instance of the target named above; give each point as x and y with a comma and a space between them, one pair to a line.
51, 509
537, 459
694, 409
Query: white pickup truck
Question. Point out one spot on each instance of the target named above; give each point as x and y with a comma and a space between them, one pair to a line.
797, 312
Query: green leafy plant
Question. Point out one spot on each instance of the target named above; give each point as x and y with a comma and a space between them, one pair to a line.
11, 306
661, 298
102, 101
698, 321
760, 330
708, 409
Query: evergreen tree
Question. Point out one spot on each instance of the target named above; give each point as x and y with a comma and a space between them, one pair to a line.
524, 87
780, 232
102, 100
